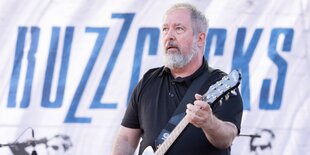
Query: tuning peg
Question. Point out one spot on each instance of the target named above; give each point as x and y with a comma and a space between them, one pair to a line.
225, 78
221, 101
233, 92
227, 96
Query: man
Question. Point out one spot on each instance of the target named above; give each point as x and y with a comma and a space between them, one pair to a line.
212, 128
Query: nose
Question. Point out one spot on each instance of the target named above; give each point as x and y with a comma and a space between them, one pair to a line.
169, 35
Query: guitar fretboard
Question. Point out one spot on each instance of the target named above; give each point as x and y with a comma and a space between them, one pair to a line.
172, 137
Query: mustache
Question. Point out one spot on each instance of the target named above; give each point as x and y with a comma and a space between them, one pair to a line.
171, 44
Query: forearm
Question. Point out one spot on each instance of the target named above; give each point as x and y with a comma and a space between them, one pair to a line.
126, 141
123, 147
221, 134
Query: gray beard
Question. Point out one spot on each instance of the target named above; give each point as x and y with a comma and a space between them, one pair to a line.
178, 60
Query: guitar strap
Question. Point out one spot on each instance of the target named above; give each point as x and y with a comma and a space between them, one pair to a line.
189, 97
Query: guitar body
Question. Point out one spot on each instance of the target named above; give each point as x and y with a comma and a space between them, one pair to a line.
148, 151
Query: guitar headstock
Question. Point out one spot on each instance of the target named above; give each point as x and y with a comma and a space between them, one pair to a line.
221, 88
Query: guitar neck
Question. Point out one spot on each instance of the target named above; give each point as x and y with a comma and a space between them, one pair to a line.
172, 137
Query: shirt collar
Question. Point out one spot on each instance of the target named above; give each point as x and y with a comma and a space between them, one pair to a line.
188, 80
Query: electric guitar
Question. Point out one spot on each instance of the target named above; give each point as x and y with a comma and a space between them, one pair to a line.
221, 89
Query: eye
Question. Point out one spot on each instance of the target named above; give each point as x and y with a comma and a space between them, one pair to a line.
164, 29
179, 29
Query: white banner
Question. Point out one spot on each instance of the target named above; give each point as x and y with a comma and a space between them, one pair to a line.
68, 68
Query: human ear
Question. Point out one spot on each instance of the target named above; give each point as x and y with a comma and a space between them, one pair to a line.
201, 39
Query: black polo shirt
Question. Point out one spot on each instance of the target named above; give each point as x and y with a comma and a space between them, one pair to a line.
156, 97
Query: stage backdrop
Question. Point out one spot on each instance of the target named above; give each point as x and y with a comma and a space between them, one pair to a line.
68, 67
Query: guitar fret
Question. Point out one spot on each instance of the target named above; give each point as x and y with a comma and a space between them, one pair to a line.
172, 137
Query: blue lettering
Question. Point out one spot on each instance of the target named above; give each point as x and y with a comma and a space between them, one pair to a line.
22, 31
282, 68
241, 60
220, 35
143, 33
71, 118
63, 69
96, 104
19, 52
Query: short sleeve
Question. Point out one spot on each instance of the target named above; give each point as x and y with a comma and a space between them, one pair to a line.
131, 117
230, 110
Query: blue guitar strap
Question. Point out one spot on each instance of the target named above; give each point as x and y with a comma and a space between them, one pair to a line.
189, 97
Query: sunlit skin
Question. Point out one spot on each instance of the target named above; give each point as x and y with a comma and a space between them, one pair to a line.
178, 36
